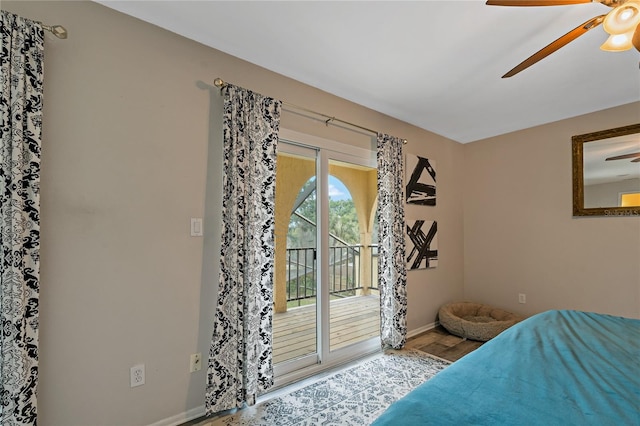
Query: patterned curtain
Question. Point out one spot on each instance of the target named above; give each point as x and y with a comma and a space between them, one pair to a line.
21, 66
240, 359
392, 269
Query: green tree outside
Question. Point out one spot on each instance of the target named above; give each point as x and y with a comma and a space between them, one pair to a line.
343, 221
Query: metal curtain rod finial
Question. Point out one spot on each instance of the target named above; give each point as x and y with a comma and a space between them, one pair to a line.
57, 30
219, 83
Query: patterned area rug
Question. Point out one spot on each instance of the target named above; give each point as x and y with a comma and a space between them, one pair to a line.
356, 396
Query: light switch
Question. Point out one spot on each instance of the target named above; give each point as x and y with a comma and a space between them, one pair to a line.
196, 227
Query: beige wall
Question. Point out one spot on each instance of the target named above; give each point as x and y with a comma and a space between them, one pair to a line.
520, 236
130, 127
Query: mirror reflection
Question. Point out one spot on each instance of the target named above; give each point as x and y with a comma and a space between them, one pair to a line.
606, 172
612, 172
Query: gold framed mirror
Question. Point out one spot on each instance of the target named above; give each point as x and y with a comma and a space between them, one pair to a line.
606, 172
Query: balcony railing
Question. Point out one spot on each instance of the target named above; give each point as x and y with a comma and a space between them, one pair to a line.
344, 272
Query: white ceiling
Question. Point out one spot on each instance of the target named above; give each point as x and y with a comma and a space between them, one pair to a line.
434, 64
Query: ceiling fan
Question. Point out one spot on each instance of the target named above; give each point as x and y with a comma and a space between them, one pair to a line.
622, 23
634, 155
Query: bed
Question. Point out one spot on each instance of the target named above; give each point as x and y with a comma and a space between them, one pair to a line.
555, 368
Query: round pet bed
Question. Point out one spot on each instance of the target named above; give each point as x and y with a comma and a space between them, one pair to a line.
475, 321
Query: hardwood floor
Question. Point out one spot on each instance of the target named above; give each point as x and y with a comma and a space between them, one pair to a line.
441, 343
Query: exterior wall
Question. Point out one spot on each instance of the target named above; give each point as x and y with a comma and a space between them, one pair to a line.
131, 151
520, 236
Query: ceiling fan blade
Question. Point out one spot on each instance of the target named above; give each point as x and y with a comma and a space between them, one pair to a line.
625, 156
535, 2
557, 44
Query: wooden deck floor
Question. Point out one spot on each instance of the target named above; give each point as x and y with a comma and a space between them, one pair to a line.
352, 320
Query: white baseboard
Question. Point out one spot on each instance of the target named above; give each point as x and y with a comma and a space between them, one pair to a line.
194, 413
422, 329
181, 418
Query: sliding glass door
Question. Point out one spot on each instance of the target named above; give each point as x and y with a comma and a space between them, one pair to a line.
326, 297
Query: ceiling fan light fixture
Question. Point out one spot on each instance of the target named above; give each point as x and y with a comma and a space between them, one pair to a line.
618, 42
623, 18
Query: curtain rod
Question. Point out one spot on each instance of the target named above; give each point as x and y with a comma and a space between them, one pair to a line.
220, 83
57, 30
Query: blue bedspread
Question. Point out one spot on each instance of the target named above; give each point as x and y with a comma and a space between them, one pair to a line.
555, 368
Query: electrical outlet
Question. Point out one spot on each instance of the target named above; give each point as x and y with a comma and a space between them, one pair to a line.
522, 298
137, 375
195, 363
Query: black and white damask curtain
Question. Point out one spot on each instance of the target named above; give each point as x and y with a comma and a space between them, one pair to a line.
240, 359
392, 269
21, 80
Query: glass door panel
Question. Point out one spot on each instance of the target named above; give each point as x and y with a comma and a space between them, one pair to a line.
354, 303
326, 302
296, 277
